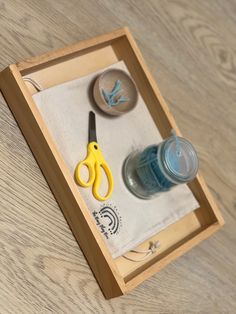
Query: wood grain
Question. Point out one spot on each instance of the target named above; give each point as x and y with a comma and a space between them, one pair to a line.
190, 47
195, 227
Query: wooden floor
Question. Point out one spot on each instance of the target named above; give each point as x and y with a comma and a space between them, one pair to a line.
190, 47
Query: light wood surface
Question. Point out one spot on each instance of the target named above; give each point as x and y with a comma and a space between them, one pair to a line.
190, 48
121, 275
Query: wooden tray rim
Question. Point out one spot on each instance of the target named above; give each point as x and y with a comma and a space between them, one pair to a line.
12, 76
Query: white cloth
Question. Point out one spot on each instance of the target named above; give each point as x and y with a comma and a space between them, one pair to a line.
124, 220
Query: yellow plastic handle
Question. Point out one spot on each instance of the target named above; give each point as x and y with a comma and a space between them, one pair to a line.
98, 179
90, 165
94, 162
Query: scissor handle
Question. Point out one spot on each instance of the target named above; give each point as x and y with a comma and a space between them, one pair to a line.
94, 162
89, 163
98, 180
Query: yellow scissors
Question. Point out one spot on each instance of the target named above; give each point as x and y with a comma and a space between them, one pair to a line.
94, 162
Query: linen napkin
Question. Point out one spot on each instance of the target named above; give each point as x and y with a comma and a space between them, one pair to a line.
125, 220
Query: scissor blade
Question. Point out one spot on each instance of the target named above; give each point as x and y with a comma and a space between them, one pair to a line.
92, 127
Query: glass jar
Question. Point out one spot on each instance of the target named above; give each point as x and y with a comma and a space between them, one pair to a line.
160, 167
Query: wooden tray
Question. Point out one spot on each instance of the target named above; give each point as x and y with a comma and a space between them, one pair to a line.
118, 276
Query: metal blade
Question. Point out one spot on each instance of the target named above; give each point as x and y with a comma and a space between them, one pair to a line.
92, 127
